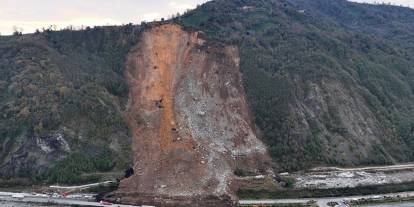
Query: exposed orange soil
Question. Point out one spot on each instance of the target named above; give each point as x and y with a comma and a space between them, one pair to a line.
166, 59
189, 120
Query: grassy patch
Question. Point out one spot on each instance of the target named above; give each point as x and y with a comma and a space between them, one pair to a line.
71, 169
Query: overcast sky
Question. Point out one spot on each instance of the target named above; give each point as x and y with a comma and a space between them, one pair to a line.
32, 14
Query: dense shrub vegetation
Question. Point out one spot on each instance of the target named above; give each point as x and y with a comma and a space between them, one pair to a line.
72, 169
262, 193
289, 46
67, 83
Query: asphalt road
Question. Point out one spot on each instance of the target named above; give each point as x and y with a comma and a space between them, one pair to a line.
28, 198
322, 202
405, 166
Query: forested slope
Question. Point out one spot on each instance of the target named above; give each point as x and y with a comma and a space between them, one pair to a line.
62, 94
329, 82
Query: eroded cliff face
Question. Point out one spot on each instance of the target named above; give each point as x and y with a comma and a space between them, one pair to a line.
190, 121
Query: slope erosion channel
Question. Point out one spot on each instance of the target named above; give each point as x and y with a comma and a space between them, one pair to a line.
190, 121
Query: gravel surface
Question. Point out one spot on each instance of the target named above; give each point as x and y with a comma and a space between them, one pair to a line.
353, 177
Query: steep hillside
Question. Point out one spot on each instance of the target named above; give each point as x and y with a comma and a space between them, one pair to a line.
62, 94
386, 21
329, 82
190, 121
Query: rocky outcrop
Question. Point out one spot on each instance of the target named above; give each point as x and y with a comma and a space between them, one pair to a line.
36, 152
190, 121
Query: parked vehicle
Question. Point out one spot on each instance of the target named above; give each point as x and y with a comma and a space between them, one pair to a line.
105, 203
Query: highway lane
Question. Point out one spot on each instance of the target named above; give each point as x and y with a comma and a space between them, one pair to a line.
322, 202
403, 166
29, 198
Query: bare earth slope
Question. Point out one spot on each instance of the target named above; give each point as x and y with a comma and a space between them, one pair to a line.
189, 119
